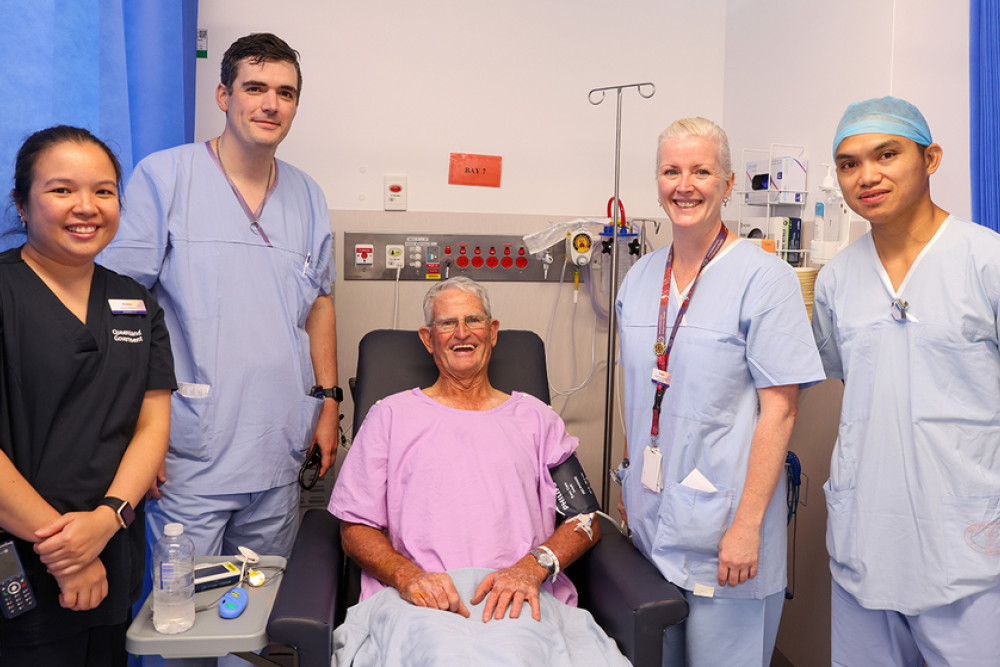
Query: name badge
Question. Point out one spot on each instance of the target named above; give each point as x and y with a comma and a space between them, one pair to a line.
661, 377
652, 470
127, 306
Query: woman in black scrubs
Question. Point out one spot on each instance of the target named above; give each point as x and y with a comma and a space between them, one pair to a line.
85, 381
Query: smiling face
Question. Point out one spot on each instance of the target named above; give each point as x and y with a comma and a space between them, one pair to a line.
885, 177
691, 182
72, 205
464, 353
262, 104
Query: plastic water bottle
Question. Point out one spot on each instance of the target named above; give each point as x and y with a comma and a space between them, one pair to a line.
173, 581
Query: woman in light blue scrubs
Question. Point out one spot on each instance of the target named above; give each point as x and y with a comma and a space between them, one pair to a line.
715, 343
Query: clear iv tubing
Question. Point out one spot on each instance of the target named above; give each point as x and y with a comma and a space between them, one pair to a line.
599, 310
595, 366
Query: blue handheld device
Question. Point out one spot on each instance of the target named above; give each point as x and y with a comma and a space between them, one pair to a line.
233, 602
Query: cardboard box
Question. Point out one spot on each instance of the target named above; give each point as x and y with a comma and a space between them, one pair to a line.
782, 180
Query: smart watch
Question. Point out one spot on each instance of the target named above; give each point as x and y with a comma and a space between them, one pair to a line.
336, 393
124, 511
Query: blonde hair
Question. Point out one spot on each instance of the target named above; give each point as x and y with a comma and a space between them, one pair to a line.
699, 127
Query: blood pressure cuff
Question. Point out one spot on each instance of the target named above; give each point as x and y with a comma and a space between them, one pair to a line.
573, 493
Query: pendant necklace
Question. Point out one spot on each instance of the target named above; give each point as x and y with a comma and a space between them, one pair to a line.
254, 217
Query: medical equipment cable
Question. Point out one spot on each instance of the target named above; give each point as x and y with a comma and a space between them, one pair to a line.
793, 474
595, 366
273, 570
395, 301
599, 309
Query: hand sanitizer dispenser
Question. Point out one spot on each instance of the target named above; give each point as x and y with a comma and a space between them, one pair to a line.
830, 214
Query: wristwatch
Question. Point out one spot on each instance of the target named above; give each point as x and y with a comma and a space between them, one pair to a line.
336, 393
546, 559
124, 511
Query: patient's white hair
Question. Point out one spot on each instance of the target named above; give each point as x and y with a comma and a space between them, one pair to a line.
460, 283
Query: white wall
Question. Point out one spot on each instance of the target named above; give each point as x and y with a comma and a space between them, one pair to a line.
394, 87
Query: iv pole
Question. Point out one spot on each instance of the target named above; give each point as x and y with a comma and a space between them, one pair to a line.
609, 399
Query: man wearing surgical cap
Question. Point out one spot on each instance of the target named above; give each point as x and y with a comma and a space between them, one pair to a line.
907, 317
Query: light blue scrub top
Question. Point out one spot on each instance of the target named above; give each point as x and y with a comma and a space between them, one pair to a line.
241, 419
746, 328
914, 489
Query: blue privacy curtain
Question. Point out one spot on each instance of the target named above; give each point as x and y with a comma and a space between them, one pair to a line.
124, 69
984, 106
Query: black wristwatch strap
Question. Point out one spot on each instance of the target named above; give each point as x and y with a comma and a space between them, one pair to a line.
336, 393
126, 515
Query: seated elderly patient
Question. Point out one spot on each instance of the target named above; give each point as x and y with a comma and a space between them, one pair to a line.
456, 476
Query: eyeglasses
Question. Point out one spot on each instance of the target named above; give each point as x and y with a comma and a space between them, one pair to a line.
309, 472
449, 324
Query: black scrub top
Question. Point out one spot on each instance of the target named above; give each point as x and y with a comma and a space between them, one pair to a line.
70, 395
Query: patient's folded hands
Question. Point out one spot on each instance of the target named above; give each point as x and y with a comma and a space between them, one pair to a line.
432, 589
511, 587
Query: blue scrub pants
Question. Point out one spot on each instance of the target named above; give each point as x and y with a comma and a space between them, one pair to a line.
735, 632
962, 633
266, 522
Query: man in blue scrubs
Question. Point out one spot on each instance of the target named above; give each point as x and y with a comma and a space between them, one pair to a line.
907, 316
236, 246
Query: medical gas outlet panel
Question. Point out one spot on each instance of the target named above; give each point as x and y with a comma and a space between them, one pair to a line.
482, 257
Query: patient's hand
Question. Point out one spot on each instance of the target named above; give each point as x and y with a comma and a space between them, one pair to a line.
512, 587
433, 589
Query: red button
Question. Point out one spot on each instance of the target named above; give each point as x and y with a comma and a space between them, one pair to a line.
395, 188
477, 261
493, 250
506, 262
461, 250
506, 250
447, 250
521, 262
492, 262
462, 261
520, 251
478, 251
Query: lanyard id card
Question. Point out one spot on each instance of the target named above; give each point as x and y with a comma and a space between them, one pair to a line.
652, 470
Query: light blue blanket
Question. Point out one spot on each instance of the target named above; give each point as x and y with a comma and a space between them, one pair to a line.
386, 630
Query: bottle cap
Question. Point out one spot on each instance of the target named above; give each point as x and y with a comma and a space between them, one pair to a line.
173, 529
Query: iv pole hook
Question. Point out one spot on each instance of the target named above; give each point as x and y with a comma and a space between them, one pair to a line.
618, 89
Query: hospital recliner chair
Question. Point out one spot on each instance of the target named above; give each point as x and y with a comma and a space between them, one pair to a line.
622, 590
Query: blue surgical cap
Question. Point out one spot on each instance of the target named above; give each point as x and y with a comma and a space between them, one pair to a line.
883, 115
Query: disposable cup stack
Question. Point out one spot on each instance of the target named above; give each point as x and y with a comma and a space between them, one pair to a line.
807, 280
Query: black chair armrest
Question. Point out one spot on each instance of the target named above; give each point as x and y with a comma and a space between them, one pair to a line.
306, 604
627, 595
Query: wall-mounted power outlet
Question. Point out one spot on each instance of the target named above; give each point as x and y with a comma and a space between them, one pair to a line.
394, 257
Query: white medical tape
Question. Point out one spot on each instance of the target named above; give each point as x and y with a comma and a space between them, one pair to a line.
583, 523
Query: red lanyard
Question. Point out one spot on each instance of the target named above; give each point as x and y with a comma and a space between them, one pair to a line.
663, 346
